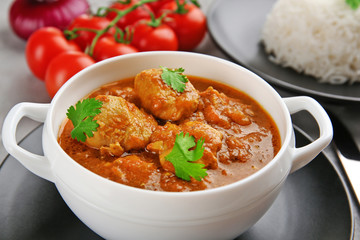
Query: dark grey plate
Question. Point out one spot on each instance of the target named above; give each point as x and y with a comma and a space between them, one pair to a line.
235, 25
312, 205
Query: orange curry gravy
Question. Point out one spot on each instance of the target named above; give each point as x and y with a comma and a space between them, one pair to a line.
244, 149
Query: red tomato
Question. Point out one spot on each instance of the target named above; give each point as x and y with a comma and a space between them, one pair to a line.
63, 67
190, 27
147, 38
107, 47
42, 46
141, 12
155, 6
85, 38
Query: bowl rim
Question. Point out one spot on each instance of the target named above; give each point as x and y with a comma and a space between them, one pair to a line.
285, 142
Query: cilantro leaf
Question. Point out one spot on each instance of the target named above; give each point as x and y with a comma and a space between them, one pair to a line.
174, 78
82, 117
183, 159
354, 4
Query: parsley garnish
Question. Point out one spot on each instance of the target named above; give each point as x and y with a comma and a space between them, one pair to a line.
174, 78
82, 118
354, 4
183, 159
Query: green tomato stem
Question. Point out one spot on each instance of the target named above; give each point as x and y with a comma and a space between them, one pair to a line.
156, 22
120, 14
71, 34
180, 9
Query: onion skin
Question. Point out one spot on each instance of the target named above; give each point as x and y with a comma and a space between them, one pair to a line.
26, 16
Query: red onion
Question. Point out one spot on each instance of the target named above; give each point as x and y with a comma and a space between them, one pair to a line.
26, 16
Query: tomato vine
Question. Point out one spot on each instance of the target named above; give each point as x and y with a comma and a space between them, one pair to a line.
102, 12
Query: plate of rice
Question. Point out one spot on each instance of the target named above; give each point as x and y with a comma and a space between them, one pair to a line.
311, 46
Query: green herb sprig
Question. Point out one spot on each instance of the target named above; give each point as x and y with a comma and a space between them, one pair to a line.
82, 117
183, 159
174, 78
354, 4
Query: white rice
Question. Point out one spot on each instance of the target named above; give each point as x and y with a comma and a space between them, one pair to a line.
320, 38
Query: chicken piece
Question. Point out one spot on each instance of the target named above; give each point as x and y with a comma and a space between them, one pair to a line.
133, 171
238, 149
163, 137
242, 149
163, 140
169, 182
220, 110
122, 126
163, 101
127, 93
212, 144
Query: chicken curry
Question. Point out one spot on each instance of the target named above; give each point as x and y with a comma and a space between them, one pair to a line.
143, 119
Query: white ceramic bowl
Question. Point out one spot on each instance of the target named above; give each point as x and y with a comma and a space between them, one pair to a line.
116, 211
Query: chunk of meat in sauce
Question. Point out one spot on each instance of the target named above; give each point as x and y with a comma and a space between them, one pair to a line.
220, 110
122, 127
171, 183
161, 100
133, 171
163, 140
127, 93
232, 118
238, 150
213, 141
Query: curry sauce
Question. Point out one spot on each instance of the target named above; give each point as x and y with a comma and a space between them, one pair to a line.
240, 138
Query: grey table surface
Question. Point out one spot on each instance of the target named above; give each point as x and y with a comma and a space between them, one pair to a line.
19, 85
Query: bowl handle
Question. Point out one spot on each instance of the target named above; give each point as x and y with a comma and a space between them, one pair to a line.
303, 155
37, 164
